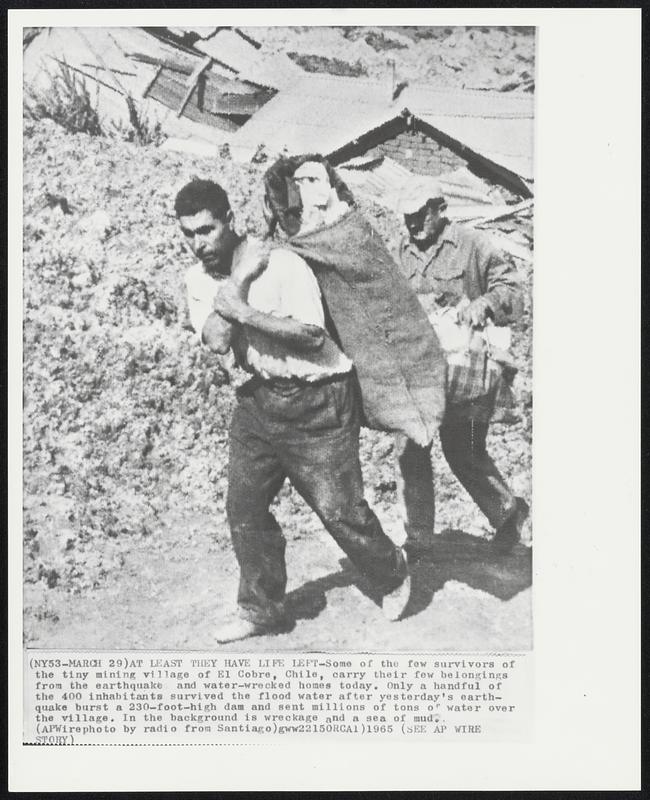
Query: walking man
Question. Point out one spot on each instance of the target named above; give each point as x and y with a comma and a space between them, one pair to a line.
297, 418
449, 265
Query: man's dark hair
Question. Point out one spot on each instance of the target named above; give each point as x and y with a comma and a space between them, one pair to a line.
200, 194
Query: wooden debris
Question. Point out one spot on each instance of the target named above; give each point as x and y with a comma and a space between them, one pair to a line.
152, 81
194, 79
501, 214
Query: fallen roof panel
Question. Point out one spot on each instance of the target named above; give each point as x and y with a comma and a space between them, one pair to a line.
251, 63
102, 55
469, 198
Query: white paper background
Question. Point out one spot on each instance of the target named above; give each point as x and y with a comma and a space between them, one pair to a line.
586, 446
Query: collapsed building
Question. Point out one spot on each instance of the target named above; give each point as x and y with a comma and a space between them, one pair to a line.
179, 80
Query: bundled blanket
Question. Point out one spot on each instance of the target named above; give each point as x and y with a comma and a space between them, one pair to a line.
381, 326
282, 198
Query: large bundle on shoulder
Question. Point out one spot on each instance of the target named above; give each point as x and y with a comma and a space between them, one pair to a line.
377, 317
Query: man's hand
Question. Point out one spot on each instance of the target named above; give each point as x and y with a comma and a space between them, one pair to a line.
229, 303
217, 334
253, 262
476, 313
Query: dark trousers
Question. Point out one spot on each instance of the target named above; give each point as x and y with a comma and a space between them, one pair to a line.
462, 435
310, 434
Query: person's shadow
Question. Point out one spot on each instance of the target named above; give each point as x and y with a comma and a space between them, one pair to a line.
452, 555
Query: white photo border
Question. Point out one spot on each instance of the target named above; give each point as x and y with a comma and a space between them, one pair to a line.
586, 475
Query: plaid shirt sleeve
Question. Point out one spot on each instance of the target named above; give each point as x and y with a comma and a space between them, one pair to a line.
500, 281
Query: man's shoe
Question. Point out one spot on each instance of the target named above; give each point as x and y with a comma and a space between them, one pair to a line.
394, 603
238, 628
509, 534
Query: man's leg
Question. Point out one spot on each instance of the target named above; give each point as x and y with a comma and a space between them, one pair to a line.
463, 442
322, 461
254, 478
415, 489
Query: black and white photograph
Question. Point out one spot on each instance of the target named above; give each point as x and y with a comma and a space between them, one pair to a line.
277, 337
323, 372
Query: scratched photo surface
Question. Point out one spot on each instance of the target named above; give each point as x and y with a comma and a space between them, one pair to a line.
127, 542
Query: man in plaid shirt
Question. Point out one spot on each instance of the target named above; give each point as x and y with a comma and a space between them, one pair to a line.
456, 269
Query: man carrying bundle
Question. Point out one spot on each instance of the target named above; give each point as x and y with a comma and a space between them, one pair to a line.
298, 417
471, 293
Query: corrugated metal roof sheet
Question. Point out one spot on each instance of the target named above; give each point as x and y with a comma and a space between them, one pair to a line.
324, 113
382, 179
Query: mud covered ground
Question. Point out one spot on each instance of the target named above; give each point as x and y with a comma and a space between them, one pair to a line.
125, 433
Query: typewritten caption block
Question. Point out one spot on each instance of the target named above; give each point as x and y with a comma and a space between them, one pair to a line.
192, 698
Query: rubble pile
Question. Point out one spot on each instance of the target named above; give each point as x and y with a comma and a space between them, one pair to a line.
456, 57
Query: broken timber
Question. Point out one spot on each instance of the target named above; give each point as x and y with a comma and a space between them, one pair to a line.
200, 93
504, 214
195, 77
156, 75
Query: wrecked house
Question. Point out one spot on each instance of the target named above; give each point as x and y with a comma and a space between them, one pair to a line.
178, 79
427, 130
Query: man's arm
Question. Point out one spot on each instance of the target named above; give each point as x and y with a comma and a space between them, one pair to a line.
503, 294
276, 286
405, 259
213, 331
230, 303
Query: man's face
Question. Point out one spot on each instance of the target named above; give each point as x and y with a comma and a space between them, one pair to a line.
210, 239
314, 185
425, 225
